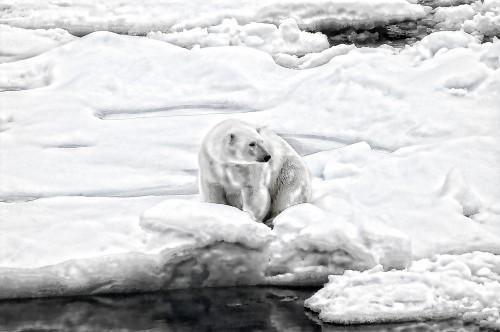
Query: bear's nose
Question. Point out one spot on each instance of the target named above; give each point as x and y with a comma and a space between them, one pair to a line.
266, 158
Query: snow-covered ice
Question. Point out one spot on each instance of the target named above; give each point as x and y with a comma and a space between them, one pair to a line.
99, 137
179, 244
79, 164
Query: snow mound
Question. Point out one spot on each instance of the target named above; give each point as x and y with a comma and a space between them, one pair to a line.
452, 18
448, 286
136, 17
440, 42
18, 44
287, 38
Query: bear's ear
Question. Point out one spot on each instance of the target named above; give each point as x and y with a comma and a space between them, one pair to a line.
232, 139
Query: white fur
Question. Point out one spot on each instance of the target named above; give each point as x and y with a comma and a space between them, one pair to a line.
231, 174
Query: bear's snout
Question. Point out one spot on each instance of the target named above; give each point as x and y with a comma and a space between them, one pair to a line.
265, 158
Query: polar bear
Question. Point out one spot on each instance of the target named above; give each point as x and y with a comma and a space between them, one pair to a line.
252, 169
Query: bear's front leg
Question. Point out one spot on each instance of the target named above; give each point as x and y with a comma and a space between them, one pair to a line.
214, 193
256, 201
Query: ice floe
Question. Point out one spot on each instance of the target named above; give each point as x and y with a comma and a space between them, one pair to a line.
99, 141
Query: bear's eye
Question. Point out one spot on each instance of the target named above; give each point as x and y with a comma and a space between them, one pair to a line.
252, 144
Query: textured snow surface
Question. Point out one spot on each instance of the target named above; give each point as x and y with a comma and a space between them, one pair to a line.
447, 286
140, 17
99, 140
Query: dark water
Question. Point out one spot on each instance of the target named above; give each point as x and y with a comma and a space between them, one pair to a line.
396, 35
223, 309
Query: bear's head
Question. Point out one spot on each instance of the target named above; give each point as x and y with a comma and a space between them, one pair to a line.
244, 145
236, 142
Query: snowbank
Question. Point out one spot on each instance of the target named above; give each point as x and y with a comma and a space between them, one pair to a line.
465, 286
139, 17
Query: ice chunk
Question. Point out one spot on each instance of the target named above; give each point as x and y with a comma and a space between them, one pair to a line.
487, 20
452, 18
440, 42
286, 39
447, 286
